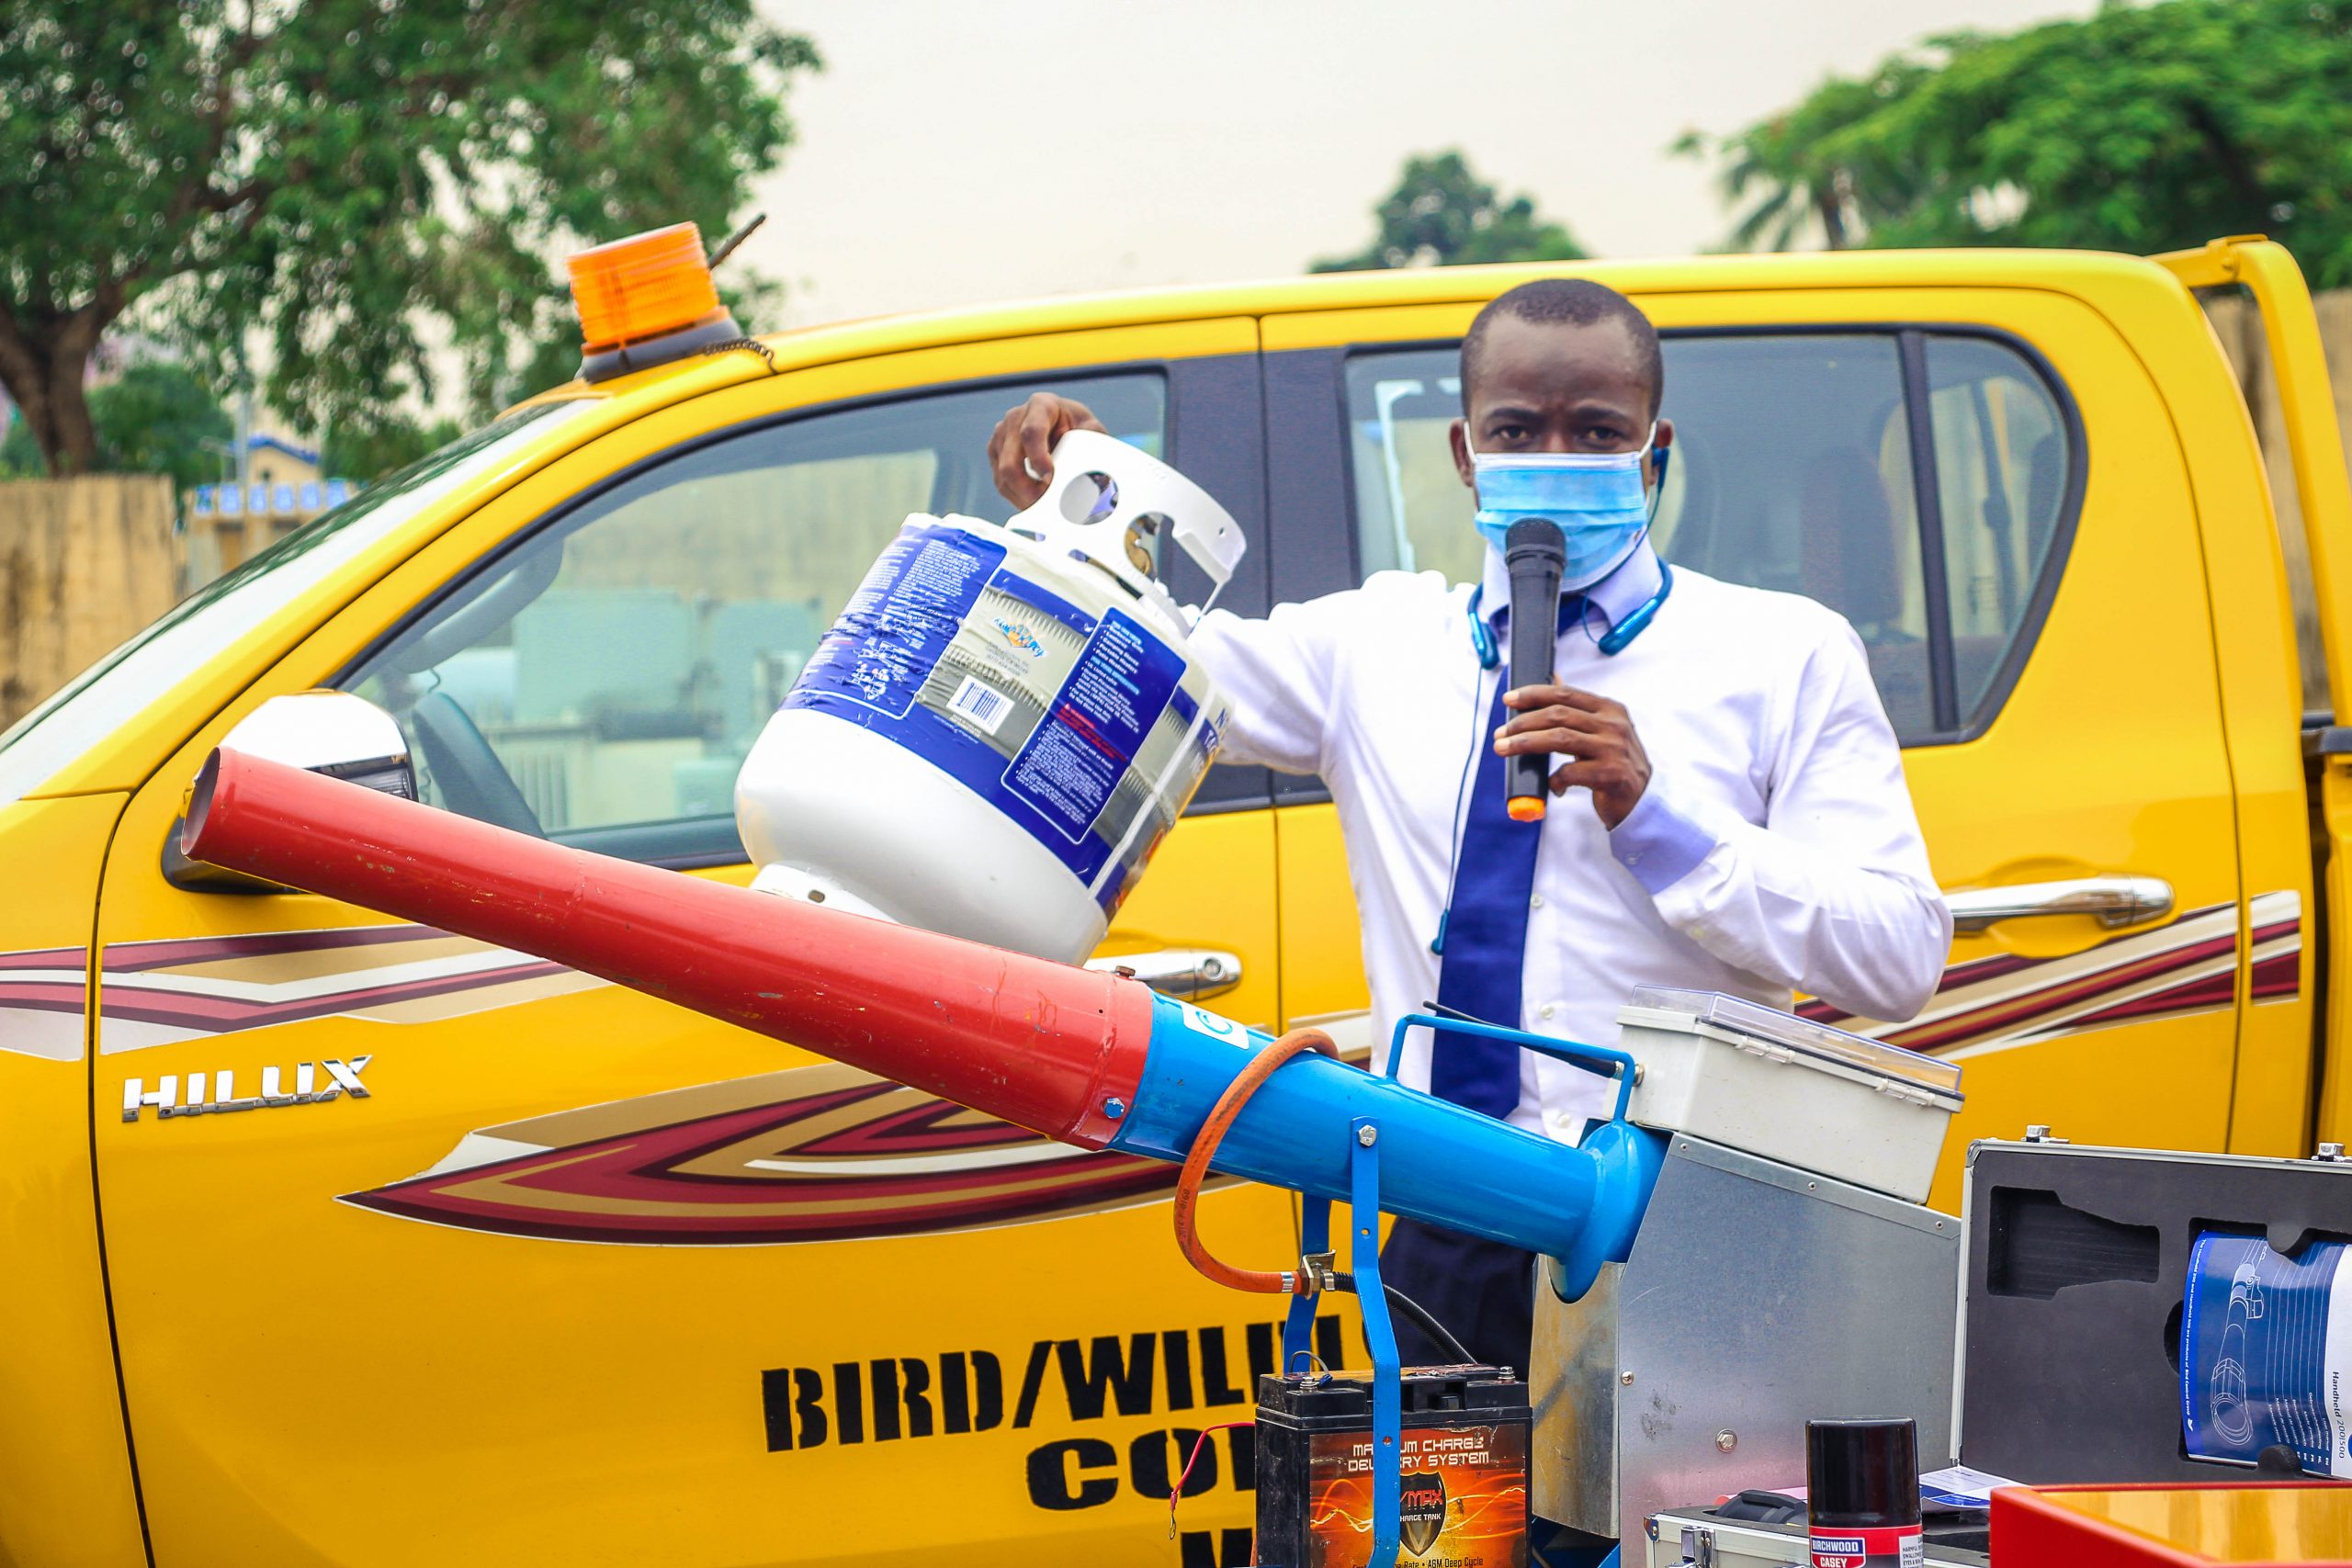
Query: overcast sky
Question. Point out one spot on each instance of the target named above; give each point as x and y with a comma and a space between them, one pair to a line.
956, 151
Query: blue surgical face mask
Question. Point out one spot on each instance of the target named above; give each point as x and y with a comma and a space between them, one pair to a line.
1596, 498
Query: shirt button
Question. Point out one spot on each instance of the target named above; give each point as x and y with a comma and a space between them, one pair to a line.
1536, 902
1543, 1012
1561, 1120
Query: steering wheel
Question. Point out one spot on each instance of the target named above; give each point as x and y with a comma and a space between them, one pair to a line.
472, 780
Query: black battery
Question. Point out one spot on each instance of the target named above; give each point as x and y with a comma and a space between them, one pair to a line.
1464, 1469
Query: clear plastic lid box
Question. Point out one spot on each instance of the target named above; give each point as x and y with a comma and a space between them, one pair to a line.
1756, 1078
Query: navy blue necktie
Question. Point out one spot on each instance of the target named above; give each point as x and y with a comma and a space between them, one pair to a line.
1483, 938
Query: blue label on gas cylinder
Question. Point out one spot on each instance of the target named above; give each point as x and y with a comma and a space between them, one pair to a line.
900, 620
1113, 695
1066, 724
2266, 1352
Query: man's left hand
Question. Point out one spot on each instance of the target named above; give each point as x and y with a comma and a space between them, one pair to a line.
1595, 734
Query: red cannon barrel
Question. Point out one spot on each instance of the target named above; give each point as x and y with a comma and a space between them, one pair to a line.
1090, 1059
1038, 1043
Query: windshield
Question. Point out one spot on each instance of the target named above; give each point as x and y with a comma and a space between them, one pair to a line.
113, 691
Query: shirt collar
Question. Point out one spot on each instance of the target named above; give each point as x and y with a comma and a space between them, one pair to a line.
1634, 584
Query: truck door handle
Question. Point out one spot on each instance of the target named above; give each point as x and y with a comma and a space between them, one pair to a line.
2116, 900
1190, 973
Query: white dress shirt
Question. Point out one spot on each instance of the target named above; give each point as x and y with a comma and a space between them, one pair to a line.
1775, 849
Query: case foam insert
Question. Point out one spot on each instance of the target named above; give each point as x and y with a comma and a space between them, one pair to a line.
2077, 1260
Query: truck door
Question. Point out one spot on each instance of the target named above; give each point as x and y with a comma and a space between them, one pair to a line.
2294, 1086
548, 1271
1983, 482
65, 1486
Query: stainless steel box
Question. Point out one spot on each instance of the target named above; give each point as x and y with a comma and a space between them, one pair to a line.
1758, 1296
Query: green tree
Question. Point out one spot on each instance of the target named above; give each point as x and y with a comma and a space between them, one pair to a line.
334, 174
1793, 174
2140, 127
160, 419
19, 457
155, 418
1441, 213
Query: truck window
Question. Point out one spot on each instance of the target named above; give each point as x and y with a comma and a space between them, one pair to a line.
2001, 472
600, 681
1793, 469
144, 670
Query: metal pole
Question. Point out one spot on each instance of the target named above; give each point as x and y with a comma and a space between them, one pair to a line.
245, 435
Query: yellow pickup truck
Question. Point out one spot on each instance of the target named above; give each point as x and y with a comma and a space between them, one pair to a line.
534, 1269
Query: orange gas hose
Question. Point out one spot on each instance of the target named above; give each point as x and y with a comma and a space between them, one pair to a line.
1196, 1167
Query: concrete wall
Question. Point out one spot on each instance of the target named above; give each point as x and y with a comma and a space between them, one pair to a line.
84, 563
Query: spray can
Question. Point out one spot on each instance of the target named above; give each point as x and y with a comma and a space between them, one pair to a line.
1863, 1494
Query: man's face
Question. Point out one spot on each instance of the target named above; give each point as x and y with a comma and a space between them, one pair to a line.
1558, 387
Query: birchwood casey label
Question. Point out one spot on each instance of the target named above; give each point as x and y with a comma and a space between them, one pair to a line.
1889, 1546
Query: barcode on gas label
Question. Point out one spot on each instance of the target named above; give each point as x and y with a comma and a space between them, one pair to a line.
984, 705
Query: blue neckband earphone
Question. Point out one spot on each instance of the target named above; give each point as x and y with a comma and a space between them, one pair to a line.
1611, 642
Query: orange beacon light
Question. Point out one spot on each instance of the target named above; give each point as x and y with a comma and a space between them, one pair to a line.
645, 301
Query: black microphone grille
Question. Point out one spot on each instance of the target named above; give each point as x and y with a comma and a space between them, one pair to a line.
1534, 535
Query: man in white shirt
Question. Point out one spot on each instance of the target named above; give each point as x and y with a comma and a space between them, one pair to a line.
1740, 821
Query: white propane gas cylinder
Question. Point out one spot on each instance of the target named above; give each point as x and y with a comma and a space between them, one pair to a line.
995, 734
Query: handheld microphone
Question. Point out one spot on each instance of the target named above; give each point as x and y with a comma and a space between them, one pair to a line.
1536, 555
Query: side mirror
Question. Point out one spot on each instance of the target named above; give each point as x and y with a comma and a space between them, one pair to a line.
335, 733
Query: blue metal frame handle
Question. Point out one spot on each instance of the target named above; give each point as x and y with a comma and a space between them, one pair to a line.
1380, 1335
1561, 1050
1298, 1327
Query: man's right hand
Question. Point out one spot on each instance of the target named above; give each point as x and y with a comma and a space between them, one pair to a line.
1020, 452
